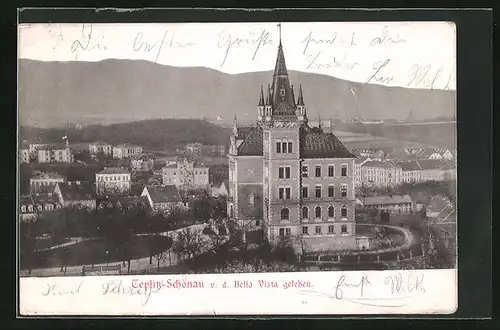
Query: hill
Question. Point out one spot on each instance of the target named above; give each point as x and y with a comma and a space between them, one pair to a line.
114, 91
151, 134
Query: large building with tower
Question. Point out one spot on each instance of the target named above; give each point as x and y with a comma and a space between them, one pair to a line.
288, 178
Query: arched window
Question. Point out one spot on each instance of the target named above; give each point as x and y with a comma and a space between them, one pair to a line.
30, 208
40, 208
317, 211
305, 212
285, 214
331, 212
23, 208
231, 212
344, 211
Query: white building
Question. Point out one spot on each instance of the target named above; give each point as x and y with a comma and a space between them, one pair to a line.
186, 174
100, 148
55, 153
113, 180
126, 150
45, 182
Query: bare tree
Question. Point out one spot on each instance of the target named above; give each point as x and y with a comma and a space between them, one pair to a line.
189, 243
160, 256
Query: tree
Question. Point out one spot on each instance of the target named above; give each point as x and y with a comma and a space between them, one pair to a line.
160, 256
189, 242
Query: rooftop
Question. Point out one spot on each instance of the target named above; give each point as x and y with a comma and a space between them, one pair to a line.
127, 145
44, 176
114, 170
164, 194
100, 143
76, 192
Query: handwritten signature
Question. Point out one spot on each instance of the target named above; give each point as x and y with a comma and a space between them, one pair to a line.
313, 62
377, 76
54, 289
168, 39
424, 76
118, 288
86, 42
227, 41
308, 40
385, 38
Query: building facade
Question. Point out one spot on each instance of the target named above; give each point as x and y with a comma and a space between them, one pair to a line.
126, 150
186, 174
55, 153
288, 178
101, 148
394, 204
142, 163
45, 182
163, 198
113, 180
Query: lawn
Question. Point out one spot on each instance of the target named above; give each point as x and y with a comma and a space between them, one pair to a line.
94, 252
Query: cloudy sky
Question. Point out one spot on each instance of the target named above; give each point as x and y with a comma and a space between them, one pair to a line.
407, 54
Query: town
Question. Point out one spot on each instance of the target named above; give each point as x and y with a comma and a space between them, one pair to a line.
283, 194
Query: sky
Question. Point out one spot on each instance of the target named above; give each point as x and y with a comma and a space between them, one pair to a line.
405, 54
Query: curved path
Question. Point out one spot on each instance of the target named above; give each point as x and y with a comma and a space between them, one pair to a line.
409, 240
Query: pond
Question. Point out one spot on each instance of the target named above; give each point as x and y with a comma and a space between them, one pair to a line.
96, 251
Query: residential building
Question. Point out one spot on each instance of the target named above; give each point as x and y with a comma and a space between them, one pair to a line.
381, 173
55, 153
113, 180
45, 182
35, 146
220, 189
411, 171
358, 177
395, 204
24, 153
289, 178
125, 202
100, 148
194, 148
142, 163
432, 169
31, 206
186, 174
436, 153
126, 150
163, 198
78, 194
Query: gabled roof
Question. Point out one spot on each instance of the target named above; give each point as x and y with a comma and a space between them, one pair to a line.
76, 192
114, 170
55, 146
252, 144
322, 145
385, 200
126, 200
410, 166
44, 176
45, 198
164, 194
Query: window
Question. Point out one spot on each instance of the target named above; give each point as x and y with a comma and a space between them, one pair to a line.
283, 147
281, 172
331, 191
287, 172
305, 192
281, 193
331, 229
23, 208
251, 199
343, 229
278, 147
318, 171
30, 208
331, 171
318, 192
305, 230
343, 211
318, 229
290, 147
331, 212
343, 170
343, 191
317, 212
285, 214
282, 231
282, 91
288, 231
284, 172
305, 170
287, 193
305, 212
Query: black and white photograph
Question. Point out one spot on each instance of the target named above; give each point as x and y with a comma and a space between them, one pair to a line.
166, 149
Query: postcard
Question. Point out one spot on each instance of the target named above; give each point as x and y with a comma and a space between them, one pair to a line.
269, 168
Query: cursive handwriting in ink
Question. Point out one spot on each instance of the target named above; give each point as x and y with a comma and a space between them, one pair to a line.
86, 42
53, 290
447, 87
309, 39
398, 284
376, 76
423, 76
385, 38
227, 42
313, 62
167, 39
113, 287
343, 284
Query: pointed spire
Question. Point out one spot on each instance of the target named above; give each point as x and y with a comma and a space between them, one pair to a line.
279, 27
300, 101
268, 97
235, 127
293, 96
261, 100
319, 120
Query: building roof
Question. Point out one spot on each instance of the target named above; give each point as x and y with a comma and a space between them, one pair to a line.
114, 170
24, 145
143, 156
374, 163
45, 176
410, 166
252, 144
126, 145
386, 200
164, 194
26, 200
360, 160
171, 166
430, 164
55, 146
323, 145
72, 191
45, 198
100, 143
126, 200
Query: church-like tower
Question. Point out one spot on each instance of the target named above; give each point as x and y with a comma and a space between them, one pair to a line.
287, 178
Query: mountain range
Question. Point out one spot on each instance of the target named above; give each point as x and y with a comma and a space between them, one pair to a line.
114, 91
